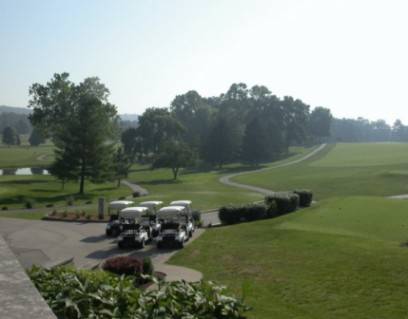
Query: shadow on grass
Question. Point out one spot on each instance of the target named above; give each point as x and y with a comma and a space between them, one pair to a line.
159, 182
24, 181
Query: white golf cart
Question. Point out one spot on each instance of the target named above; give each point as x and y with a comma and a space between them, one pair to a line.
151, 220
188, 214
173, 230
113, 226
133, 233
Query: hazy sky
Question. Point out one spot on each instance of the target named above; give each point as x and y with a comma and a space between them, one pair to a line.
350, 56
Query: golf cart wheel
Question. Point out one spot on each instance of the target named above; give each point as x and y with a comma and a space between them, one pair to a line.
159, 246
181, 244
142, 243
120, 245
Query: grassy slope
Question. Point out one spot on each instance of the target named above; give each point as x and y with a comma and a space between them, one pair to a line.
341, 258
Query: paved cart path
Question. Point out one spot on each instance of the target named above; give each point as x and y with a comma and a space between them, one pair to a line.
227, 178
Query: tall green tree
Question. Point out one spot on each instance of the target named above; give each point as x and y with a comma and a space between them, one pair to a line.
320, 122
81, 123
194, 114
255, 143
36, 138
174, 155
156, 125
223, 143
10, 136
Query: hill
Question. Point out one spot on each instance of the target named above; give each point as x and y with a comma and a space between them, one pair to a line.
12, 109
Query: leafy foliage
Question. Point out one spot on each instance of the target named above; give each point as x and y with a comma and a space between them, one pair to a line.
73, 293
81, 123
10, 136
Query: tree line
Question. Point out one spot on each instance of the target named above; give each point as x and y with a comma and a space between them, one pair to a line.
247, 125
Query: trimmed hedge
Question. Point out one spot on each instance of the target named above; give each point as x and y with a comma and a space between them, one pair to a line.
236, 214
305, 197
275, 205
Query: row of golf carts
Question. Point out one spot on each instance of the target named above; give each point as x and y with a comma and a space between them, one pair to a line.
134, 226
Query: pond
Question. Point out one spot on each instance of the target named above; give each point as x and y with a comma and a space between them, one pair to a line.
23, 171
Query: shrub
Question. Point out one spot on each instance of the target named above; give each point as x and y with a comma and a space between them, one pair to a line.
136, 194
28, 203
148, 267
88, 217
196, 216
305, 197
65, 214
4, 208
281, 203
74, 293
229, 215
124, 265
49, 205
88, 202
253, 212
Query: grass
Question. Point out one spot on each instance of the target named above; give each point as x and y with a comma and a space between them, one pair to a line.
340, 258
337, 259
25, 156
326, 179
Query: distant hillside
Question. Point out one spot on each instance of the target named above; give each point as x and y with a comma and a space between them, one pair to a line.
129, 117
26, 111
11, 109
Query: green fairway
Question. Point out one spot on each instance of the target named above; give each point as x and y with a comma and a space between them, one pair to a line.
332, 177
25, 156
334, 260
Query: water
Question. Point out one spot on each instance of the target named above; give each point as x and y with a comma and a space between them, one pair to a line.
23, 171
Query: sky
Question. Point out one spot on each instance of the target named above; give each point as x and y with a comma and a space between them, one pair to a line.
350, 56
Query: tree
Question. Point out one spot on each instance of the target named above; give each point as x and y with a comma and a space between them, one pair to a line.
121, 165
194, 114
320, 122
36, 138
132, 143
223, 143
399, 132
255, 143
174, 155
81, 123
10, 136
157, 125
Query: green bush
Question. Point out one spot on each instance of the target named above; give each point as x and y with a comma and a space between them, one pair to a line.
148, 267
28, 202
196, 216
236, 214
305, 197
78, 293
49, 205
281, 203
4, 208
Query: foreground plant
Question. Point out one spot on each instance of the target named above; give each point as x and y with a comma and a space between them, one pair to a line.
75, 293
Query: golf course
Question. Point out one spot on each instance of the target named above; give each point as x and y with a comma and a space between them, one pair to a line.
342, 257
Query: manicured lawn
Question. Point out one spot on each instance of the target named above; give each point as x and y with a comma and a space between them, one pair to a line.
25, 156
43, 190
340, 171
337, 259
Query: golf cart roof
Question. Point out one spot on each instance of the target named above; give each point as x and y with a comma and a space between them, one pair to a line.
151, 203
171, 211
132, 212
182, 202
118, 204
